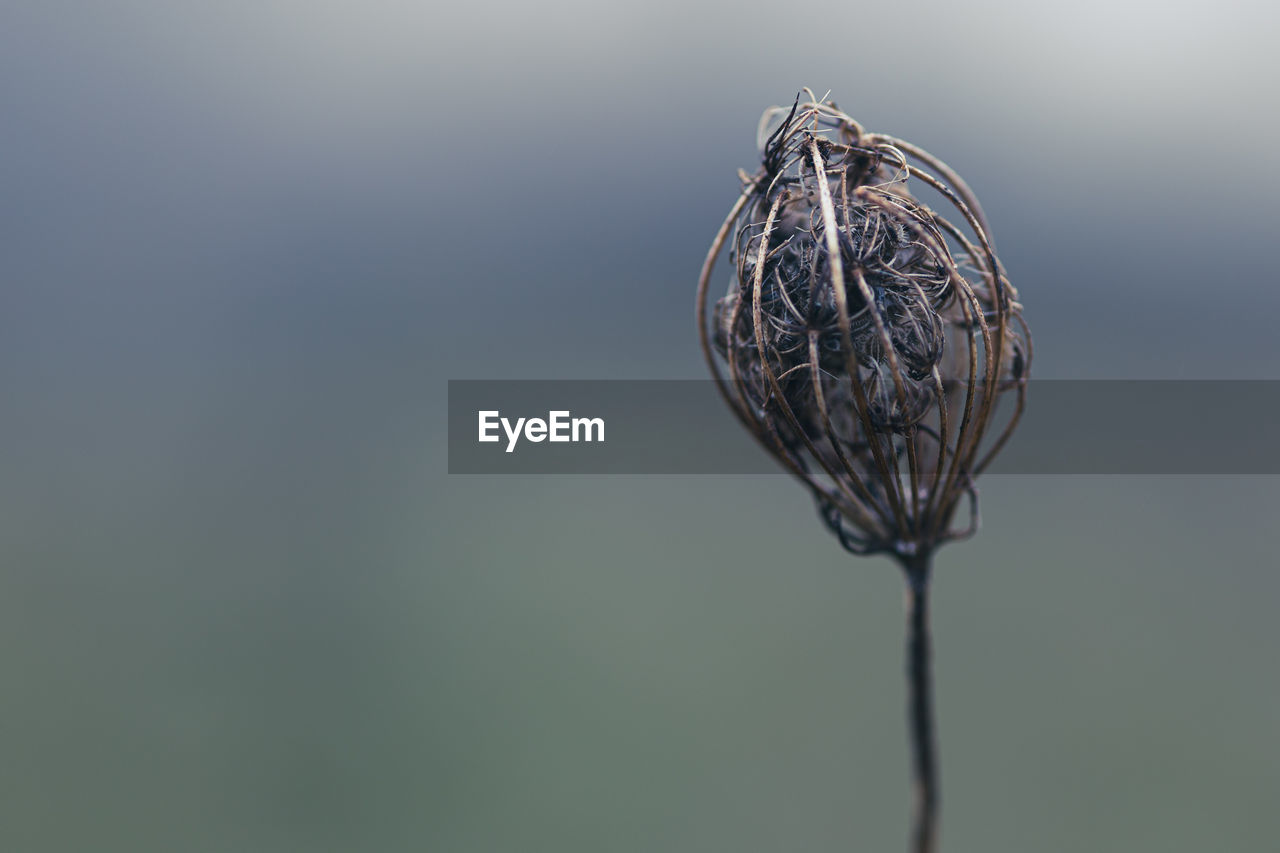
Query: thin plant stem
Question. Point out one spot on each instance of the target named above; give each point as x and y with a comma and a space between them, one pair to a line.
924, 751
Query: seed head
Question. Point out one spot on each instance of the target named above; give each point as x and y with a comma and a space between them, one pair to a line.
871, 343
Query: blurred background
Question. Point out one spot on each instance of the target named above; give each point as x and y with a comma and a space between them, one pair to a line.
243, 606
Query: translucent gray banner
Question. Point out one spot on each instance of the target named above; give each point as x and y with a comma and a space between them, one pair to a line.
684, 427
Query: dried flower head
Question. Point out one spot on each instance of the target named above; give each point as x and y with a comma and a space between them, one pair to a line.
866, 339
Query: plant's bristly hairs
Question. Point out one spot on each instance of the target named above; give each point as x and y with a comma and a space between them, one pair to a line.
868, 340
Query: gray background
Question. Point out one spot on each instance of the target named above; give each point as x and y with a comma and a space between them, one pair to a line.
244, 608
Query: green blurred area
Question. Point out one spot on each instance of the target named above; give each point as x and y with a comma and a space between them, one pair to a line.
652, 663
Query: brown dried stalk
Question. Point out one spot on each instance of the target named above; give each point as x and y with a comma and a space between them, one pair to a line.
874, 346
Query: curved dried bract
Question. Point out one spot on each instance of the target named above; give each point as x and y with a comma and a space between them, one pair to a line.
870, 342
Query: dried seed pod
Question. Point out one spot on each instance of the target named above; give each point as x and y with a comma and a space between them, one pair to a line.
866, 339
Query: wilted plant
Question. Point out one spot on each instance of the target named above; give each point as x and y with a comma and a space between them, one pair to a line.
874, 346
